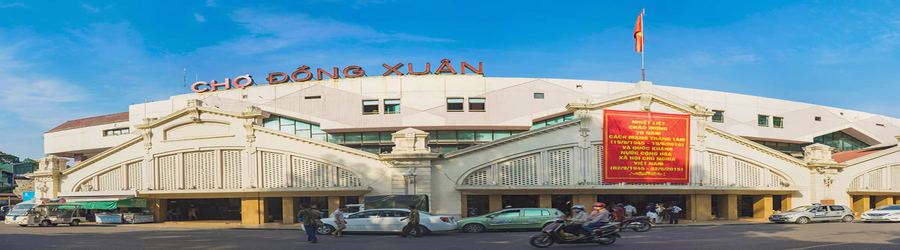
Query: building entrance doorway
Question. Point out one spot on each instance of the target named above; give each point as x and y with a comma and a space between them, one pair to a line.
520, 201
206, 209
274, 209
563, 203
745, 206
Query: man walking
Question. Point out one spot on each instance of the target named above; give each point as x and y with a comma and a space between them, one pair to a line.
338, 216
630, 210
309, 217
413, 218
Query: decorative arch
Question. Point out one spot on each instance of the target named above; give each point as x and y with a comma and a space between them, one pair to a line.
885, 177
543, 167
733, 170
115, 178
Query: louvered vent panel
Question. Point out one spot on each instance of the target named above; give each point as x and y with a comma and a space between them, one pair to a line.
560, 166
747, 174
308, 173
168, 178
895, 179
135, 180
273, 170
112, 180
598, 161
348, 179
519, 172
477, 178
855, 184
231, 169
200, 170
717, 173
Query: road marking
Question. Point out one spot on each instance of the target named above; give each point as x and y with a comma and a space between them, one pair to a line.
826, 245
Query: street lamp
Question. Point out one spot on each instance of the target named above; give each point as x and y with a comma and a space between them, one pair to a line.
410, 178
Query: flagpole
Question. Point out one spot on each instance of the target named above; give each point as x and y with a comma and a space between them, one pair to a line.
642, 45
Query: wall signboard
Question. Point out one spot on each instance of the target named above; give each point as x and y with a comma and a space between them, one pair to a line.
645, 147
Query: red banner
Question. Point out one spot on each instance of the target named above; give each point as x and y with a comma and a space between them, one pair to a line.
644, 147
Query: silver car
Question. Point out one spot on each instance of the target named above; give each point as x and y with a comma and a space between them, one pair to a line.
815, 212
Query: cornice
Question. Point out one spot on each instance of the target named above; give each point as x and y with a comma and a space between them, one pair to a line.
516, 137
756, 146
189, 110
318, 143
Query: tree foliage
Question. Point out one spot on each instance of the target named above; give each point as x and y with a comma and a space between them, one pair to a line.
8, 158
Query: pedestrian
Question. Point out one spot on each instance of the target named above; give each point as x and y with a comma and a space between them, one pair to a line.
413, 222
599, 217
674, 210
338, 216
660, 211
620, 212
172, 213
651, 213
310, 218
630, 210
192, 213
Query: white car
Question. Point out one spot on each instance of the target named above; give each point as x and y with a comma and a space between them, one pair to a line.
883, 213
388, 220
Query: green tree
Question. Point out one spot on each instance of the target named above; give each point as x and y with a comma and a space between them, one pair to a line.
8, 158
29, 160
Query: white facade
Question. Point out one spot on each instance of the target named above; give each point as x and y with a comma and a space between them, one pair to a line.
213, 145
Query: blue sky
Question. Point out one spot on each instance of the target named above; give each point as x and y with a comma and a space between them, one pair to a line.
65, 60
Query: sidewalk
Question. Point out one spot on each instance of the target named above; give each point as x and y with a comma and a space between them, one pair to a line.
235, 224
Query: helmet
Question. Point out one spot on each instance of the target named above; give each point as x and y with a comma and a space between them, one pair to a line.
599, 204
578, 207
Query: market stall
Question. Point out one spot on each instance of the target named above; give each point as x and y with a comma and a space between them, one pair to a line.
114, 207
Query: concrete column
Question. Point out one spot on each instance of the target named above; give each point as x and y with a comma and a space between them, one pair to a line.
159, 208
333, 203
786, 203
586, 200
762, 206
495, 202
253, 211
288, 211
860, 204
700, 208
883, 200
464, 206
544, 201
730, 207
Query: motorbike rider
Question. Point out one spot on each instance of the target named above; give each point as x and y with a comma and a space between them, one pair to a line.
579, 218
599, 217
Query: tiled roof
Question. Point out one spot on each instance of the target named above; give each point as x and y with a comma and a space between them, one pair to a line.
91, 121
850, 155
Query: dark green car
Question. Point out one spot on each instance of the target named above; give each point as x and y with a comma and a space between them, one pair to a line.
510, 218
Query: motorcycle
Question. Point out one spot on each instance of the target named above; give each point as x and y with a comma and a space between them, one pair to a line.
553, 233
636, 223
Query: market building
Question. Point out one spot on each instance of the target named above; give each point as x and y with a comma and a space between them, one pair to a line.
471, 144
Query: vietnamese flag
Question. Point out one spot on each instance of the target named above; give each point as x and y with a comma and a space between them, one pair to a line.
639, 33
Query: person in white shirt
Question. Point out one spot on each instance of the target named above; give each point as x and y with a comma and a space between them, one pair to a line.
630, 210
338, 216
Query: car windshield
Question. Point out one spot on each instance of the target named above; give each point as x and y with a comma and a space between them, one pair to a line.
20, 209
800, 209
889, 207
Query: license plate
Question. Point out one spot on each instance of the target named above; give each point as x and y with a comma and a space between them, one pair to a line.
875, 217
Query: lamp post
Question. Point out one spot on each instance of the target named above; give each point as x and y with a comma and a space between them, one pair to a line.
410, 178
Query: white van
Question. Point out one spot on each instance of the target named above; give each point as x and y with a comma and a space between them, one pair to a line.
45, 214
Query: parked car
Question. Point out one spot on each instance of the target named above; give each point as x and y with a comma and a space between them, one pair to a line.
510, 218
388, 220
815, 212
882, 213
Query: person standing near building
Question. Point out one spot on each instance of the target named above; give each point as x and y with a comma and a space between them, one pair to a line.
338, 216
660, 212
192, 213
619, 212
674, 210
413, 218
630, 210
310, 217
651, 213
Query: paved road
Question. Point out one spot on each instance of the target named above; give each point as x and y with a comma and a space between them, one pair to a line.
731, 237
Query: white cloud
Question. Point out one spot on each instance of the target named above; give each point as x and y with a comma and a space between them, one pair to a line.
273, 32
210, 3
29, 92
200, 18
90, 8
15, 4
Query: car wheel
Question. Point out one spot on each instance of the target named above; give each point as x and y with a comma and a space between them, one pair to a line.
418, 231
326, 229
847, 218
474, 228
74, 223
802, 220
542, 241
